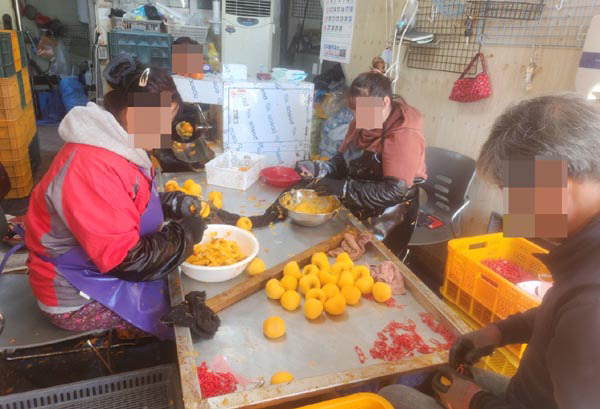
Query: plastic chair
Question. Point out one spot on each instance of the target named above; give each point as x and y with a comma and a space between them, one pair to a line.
450, 175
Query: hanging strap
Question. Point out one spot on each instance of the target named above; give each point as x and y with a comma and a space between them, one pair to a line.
473, 61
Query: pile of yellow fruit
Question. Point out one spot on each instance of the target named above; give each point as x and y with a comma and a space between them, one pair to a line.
189, 187
325, 287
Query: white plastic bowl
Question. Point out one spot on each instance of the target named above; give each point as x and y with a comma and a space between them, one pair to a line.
247, 242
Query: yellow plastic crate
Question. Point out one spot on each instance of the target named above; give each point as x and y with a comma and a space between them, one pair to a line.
16, 49
15, 95
20, 175
482, 293
16, 135
355, 401
501, 361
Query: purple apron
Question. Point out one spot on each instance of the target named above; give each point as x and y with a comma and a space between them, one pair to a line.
139, 303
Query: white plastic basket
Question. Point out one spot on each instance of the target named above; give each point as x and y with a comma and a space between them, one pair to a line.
197, 33
121, 23
234, 170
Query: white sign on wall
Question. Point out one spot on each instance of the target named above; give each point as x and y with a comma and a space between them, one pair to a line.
338, 27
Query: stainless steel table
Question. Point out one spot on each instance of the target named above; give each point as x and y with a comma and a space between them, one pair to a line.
321, 355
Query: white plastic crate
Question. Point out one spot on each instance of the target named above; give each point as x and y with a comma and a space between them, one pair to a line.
234, 170
121, 23
197, 33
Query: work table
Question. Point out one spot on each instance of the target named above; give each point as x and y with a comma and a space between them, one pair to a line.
320, 354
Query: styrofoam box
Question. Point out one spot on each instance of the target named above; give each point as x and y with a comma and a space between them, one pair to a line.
224, 170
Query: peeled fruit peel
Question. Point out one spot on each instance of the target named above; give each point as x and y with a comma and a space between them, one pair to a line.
344, 258
273, 327
365, 284
330, 290
308, 282
292, 269
360, 271
316, 293
281, 377
352, 294
244, 223
310, 269
313, 308
382, 292
346, 279
289, 282
274, 289
290, 300
336, 305
257, 266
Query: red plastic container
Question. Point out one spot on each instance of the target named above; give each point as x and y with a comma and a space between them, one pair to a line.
279, 176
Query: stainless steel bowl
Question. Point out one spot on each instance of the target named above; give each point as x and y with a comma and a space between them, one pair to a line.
308, 219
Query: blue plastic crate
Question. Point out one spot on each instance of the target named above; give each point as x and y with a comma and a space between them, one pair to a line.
150, 48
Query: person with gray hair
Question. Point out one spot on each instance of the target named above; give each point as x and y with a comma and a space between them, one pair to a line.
545, 144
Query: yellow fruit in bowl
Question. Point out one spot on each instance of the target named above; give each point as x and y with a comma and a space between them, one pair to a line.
308, 282
244, 223
281, 377
313, 308
289, 282
273, 327
346, 278
360, 271
274, 289
292, 269
352, 294
256, 266
365, 284
330, 290
310, 269
290, 300
344, 258
336, 305
316, 293
382, 292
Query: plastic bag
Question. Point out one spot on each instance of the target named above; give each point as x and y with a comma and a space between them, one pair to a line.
60, 65
72, 93
334, 131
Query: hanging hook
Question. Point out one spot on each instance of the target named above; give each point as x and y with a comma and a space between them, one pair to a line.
560, 5
433, 13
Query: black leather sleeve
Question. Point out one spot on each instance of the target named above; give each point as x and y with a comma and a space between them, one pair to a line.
334, 168
155, 255
375, 194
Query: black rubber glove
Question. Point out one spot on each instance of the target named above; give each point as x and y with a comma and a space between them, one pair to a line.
375, 194
458, 394
193, 313
307, 169
471, 347
334, 167
155, 255
177, 205
329, 187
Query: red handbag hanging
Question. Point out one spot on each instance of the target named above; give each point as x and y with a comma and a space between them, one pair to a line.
472, 89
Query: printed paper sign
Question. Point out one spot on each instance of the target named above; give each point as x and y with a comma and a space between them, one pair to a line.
338, 27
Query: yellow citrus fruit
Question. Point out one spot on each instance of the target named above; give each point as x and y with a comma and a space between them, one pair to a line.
352, 294
316, 293
330, 290
327, 277
281, 377
244, 223
218, 203
340, 267
257, 266
273, 327
215, 194
274, 289
307, 282
320, 260
171, 186
365, 284
292, 269
382, 292
360, 271
290, 300
313, 308
310, 269
344, 258
336, 305
289, 282
188, 184
346, 278
195, 190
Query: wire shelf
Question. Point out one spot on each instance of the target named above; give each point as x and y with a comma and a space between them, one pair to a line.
511, 10
450, 50
313, 12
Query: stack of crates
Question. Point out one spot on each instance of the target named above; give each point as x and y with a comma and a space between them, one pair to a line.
17, 116
483, 295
